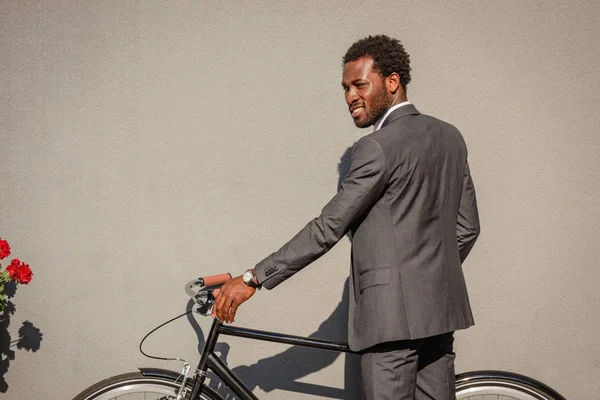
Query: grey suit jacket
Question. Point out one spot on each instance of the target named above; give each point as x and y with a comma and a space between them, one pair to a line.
410, 203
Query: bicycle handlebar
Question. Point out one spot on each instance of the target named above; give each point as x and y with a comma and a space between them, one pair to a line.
203, 290
214, 279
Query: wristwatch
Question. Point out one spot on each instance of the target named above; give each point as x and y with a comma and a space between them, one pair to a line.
248, 279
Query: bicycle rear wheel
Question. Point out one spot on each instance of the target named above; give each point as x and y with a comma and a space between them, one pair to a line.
135, 386
500, 385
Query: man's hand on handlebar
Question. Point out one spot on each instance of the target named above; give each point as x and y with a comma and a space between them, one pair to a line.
231, 295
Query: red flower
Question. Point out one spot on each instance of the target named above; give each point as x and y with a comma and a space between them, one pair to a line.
19, 271
25, 274
4, 249
13, 269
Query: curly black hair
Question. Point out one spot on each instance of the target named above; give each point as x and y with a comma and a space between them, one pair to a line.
388, 56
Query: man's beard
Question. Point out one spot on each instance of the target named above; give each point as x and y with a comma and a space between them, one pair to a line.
379, 107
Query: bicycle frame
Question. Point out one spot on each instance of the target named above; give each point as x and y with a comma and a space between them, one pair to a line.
210, 361
170, 383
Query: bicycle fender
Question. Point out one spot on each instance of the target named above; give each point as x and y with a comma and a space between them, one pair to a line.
162, 373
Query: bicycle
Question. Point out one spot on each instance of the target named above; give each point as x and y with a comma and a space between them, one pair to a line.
162, 384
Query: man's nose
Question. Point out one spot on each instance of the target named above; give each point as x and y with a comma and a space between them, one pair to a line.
351, 96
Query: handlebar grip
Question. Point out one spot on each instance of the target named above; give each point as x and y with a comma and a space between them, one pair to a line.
215, 279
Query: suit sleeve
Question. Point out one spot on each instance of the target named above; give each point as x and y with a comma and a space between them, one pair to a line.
359, 191
467, 226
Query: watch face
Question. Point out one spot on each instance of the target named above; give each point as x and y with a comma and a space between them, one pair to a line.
247, 277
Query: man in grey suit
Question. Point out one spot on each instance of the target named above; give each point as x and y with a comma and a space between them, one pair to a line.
409, 201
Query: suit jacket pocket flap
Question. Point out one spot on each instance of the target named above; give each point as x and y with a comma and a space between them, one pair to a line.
373, 277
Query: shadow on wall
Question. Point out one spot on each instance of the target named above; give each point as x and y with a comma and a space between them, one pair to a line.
29, 339
280, 372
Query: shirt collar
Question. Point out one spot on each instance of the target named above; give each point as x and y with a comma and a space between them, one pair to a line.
379, 122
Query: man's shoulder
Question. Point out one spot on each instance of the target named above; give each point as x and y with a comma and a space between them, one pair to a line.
410, 123
403, 134
369, 143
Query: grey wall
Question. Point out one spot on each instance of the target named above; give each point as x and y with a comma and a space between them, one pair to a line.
146, 143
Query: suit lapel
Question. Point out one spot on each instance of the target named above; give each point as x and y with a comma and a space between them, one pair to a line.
408, 109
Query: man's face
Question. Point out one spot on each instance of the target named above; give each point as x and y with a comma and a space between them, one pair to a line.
365, 90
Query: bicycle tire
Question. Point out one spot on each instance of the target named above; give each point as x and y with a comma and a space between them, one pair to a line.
128, 385
501, 385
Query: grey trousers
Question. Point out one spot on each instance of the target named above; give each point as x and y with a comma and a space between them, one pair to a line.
410, 369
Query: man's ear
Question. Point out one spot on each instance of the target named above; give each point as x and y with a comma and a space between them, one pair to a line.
392, 82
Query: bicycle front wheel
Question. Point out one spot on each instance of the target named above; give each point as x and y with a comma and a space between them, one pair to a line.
135, 386
500, 385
